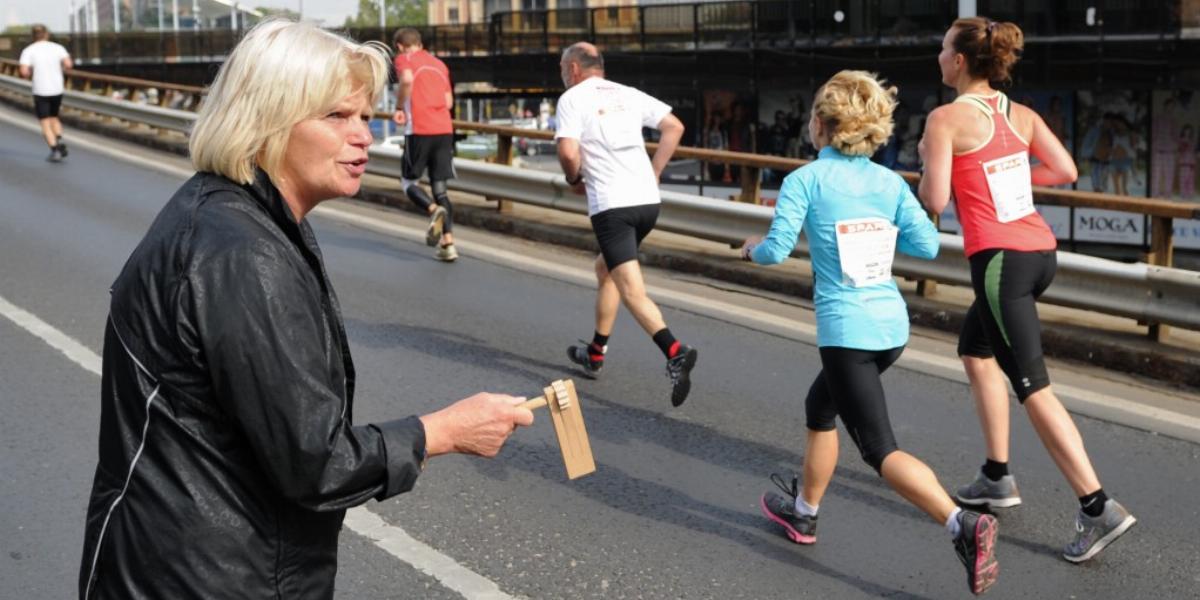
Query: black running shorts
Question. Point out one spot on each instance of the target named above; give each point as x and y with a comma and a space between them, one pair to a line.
849, 387
620, 231
432, 152
46, 106
1003, 320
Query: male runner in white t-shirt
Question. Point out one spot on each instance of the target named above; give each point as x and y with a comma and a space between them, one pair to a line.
44, 62
601, 150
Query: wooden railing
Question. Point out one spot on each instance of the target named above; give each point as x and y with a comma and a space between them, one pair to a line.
168, 94
1161, 212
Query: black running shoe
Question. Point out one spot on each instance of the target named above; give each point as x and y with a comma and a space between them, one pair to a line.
582, 356
55, 155
976, 548
679, 369
781, 508
62, 148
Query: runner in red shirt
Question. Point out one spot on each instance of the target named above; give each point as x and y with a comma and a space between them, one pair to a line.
979, 146
424, 96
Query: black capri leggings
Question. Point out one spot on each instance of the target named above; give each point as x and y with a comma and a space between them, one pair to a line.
849, 387
1003, 320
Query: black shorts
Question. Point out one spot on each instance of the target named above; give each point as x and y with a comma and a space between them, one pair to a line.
620, 231
1003, 320
46, 106
849, 387
432, 152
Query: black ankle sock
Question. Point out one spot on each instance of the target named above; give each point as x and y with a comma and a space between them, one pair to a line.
597, 348
599, 341
995, 470
666, 342
1093, 503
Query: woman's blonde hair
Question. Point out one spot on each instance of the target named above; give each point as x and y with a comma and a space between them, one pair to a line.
280, 74
855, 110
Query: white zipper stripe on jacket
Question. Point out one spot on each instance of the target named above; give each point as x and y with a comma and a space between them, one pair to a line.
129, 476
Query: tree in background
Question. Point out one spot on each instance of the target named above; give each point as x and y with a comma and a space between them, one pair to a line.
399, 12
286, 13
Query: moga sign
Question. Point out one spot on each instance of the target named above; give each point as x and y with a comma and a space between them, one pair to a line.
1093, 225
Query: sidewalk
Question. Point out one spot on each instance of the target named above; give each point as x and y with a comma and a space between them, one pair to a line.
1114, 343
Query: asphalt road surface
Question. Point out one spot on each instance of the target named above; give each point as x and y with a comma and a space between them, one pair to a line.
672, 511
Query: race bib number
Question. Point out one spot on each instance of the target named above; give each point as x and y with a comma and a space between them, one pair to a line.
866, 248
1011, 186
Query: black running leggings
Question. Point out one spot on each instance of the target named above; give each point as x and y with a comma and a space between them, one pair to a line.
1003, 320
849, 387
440, 197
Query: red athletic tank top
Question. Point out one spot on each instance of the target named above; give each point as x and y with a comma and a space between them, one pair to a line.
992, 187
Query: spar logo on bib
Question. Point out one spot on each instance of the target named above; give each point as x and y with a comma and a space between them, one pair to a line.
1005, 164
845, 227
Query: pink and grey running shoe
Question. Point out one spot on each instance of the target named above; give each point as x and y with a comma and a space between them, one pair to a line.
975, 545
781, 508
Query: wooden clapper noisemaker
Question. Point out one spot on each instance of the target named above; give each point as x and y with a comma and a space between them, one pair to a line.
567, 416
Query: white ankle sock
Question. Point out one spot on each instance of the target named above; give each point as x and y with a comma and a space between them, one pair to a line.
805, 509
952, 524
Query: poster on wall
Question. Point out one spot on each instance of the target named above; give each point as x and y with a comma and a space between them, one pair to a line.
913, 105
1174, 144
783, 127
1057, 109
729, 124
1111, 152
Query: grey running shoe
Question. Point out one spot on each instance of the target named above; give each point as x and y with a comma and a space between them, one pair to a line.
975, 545
994, 494
1093, 534
582, 356
55, 155
437, 222
447, 253
62, 148
781, 508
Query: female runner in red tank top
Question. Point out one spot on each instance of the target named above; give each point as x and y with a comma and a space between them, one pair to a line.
976, 151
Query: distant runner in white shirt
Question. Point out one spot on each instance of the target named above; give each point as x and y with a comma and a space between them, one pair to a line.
602, 153
44, 62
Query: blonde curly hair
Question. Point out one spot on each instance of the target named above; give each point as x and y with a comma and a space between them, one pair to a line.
855, 110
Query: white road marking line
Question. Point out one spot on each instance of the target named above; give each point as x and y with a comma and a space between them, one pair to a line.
1077, 399
414, 552
394, 540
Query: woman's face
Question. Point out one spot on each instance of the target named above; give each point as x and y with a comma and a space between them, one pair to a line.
948, 58
326, 156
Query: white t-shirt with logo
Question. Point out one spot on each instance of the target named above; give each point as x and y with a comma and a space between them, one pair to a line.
45, 57
607, 119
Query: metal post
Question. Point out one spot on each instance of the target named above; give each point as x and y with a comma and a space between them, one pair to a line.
175, 15
382, 20
160, 15
233, 16
968, 8
116, 16
195, 15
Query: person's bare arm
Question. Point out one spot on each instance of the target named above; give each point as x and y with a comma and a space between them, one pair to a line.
26, 71
403, 92
1055, 165
937, 156
68, 64
671, 129
571, 161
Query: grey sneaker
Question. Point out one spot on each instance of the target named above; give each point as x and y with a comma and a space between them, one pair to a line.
447, 253
985, 492
1093, 534
781, 508
437, 223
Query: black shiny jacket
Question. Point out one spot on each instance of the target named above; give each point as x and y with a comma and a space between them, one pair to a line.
227, 454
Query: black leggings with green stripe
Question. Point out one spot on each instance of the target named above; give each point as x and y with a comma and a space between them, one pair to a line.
1003, 320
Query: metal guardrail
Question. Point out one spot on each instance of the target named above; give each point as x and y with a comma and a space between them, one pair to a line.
1149, 293
1139, 291
155, 116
